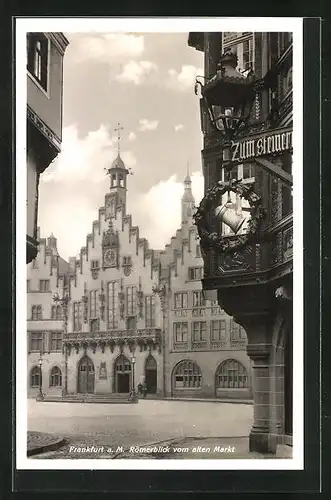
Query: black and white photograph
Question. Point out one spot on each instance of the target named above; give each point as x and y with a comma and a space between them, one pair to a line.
159, 243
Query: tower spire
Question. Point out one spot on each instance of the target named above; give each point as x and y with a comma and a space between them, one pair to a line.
118, 130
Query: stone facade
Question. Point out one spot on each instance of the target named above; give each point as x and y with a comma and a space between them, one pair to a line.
199, 331
123, 303
45, 52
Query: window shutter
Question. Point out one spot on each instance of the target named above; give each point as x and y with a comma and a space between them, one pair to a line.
44, 61
31, 43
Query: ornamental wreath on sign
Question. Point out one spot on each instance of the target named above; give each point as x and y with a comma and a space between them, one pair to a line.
211, 201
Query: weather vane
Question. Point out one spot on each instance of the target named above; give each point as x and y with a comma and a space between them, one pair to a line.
118, 130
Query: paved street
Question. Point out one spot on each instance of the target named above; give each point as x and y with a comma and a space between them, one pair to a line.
146, 422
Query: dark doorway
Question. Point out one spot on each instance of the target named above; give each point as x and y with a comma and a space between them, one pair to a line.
122, 379
86, 376
123, 382
288, 382
151, 374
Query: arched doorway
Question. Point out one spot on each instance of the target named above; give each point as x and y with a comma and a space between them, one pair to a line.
85, 376
122, 378
151, 374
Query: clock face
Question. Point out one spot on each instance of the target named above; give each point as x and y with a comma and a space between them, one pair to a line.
110, 257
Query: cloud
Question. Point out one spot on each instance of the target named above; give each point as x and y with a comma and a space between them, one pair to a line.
184, 79
136, 72
129, 159
105, 47
71, 224
158, 212
178, 127
85, 158
132, 136
145, 124
197, 186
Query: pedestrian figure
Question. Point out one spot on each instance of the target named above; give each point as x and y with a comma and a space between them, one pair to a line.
140, 388
145, 390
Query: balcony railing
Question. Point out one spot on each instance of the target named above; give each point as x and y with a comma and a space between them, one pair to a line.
134, 334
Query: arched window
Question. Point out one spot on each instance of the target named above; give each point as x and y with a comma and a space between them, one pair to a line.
58, 312
35, 377
150, 363
187, 374
231, 374
34, 313
122, 364
113, 180
56, 377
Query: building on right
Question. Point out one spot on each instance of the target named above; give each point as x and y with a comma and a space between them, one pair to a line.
245, 220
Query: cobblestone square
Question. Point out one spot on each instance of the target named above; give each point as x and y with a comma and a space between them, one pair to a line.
115, 425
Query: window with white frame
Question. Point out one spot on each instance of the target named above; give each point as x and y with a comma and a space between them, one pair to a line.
55, 377
93, 304
198, 299
231, 374
131, 295
94, 325
36, 313
56, 341
243, 45
95, 264
44, 286
199, 330
180, 300
112, 295
56, 312
180, 332
237, 332
35, 379
195, 273
36, 341
218, 329
37, 58
78, 316
149, 311
187, 374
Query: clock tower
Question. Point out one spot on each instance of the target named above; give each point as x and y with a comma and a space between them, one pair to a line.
118, 179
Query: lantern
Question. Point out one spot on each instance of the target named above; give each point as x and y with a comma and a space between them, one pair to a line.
229, 96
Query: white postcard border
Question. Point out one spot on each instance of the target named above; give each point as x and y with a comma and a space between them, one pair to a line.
165, 25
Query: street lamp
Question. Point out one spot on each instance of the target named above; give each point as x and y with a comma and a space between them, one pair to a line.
228, 96
133, 396
161, 291
64, 303
40, 396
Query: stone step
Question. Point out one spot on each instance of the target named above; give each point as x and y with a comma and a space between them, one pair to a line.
90, 398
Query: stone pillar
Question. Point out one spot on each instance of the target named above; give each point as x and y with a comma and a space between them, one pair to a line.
259, 331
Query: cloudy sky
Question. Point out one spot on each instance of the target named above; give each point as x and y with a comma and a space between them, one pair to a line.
145, 82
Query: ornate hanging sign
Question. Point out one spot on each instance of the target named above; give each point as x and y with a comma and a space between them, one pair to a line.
211, 202
268, 144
